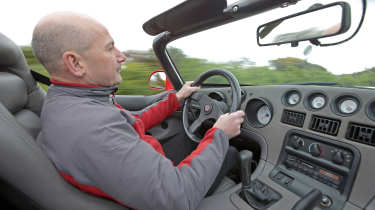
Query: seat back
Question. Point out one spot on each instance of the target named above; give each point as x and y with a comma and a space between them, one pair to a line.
28, 179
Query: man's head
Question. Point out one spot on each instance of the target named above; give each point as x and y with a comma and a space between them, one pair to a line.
76, 48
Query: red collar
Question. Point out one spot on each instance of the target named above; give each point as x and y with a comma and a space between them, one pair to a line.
71, 84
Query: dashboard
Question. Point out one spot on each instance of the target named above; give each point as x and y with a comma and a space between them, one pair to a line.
312, 137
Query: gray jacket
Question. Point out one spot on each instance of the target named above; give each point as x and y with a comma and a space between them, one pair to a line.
103, 150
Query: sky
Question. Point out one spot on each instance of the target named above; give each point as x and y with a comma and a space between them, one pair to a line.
124, 20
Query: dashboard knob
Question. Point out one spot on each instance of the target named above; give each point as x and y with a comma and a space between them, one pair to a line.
297, 142
338, 158
315, 150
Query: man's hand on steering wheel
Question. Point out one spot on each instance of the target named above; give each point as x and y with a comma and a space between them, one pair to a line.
186, 91
230, 123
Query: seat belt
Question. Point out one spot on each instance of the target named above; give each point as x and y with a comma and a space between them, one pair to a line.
40, 77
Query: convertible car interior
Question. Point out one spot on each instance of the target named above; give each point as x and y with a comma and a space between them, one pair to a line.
311, 144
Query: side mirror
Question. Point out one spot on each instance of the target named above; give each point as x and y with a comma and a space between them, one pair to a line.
158, 80
312, 24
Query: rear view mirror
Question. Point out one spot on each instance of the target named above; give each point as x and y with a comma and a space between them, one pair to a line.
312, 24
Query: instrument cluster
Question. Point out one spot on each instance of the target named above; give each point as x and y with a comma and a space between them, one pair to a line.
345, 104
259, 111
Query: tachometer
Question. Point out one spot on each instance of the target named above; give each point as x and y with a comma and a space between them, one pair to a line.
264, 115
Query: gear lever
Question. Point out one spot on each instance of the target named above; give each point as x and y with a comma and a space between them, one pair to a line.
256, 194
246, 157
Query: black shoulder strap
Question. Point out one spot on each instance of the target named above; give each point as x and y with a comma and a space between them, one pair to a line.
40, 77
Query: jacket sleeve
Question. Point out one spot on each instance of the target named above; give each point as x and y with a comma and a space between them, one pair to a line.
157, 112
132, 172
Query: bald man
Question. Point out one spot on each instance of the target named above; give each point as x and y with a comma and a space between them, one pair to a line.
101, 148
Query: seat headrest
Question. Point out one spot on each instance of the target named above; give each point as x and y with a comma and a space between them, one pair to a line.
13, 61
19, 90
13, 92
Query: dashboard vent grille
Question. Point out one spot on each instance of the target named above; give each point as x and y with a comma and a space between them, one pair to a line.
361, 133
293, 118
325, 125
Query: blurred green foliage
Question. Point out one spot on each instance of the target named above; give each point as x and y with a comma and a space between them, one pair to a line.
134, 73
137, 69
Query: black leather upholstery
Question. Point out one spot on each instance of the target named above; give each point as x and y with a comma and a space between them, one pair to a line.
28, 179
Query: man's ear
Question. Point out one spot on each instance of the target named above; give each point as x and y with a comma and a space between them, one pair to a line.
74, 63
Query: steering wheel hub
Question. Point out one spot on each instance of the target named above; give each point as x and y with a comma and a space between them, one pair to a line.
207, 109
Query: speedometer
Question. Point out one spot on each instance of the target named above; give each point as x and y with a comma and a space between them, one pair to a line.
264, 115
258, 112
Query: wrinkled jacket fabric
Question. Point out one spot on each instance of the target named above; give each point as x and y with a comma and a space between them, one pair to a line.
103, 149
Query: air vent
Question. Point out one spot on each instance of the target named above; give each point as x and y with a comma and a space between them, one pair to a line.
325, 125
361, 133
293, 118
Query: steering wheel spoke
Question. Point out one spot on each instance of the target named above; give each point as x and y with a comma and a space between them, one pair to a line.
216, 112
195, 125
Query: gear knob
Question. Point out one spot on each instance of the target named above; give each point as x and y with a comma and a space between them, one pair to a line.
246, 158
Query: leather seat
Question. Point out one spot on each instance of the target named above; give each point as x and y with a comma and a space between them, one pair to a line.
28, 179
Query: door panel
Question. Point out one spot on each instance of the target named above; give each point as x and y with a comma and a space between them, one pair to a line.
136, 103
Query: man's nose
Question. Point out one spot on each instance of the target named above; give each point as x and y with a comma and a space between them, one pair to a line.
120, 56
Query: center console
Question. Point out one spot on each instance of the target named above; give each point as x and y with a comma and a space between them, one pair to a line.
309, 161
312, 171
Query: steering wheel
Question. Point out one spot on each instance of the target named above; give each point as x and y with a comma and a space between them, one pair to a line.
210, 108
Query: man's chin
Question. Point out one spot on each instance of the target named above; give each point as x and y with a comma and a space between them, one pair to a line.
118, 81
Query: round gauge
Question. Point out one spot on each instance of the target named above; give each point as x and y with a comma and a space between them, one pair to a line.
345, 105
348, 106
258, 112
294, 98
318, 102
264, 115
